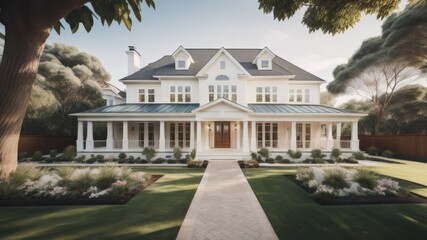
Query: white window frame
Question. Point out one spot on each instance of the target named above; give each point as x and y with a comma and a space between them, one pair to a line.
147, 95
265, 64
266, 94
222, 65
179, 66
267, 134
180, 94
228, 91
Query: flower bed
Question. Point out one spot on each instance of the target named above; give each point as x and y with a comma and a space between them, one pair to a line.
29, 185
338, 185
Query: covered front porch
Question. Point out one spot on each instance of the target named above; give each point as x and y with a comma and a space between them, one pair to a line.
212, 137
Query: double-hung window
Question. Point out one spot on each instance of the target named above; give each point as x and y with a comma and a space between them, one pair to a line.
146, 95
267, 135
180, 94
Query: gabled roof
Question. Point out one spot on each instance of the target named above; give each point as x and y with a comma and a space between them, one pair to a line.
225, 101
216, 56
182, 49
264, 50
165, 66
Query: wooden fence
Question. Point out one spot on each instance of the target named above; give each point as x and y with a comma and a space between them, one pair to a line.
30, 144
411, 146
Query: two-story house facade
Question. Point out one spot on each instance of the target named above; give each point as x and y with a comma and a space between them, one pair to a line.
225, 103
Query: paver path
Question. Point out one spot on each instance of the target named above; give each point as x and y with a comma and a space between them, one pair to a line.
225, 207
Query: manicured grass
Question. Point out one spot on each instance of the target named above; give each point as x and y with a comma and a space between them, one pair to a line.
294, 215
155, 213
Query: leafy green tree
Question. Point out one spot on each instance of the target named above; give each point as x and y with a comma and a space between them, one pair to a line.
67, 81
330, 16
27, 26
327, 99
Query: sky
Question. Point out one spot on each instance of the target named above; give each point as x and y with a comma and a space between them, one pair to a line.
215, 24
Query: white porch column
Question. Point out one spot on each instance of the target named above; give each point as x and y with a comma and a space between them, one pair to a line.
338, 137
125, 141
89, 136
162, 144
354, 137
253, 136
237, 129
245, 147
80, 140
110, 140
293, 146
191, 135
330, 142
146, 142
199, 137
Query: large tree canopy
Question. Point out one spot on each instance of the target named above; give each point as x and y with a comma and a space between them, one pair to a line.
28, 23
330, 16
403, 39
67, 81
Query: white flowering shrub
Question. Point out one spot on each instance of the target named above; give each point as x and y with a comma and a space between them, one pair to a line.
342, 182
79, 183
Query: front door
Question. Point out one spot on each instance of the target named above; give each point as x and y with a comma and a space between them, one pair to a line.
222, 134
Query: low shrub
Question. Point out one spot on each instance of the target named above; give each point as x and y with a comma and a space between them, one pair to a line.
372, 150
294, 154
91, 160
264, 153
122, 155
122, 160
172, 160
80, 159
317, 155
350, 160
269, 160
159, 160
193, 154
149, 153
184, 161
131, 160
335, 154
105, 177
100, 158
248, 163
366, 178
69, 153
387, 154
197, 164
143, 161
254, 156
53, 153
49, 160
313, 161
177, 153
358, 155
22, 156
278, 158
188, 157
336, 177
37, 156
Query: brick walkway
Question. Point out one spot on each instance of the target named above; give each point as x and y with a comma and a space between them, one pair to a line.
225, 207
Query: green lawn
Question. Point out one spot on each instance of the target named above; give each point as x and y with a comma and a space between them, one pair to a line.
294, 215
155, 213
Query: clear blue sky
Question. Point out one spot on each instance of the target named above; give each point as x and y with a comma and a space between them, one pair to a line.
228, 23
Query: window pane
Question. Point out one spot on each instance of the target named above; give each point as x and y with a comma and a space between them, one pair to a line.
151, 134
150, 91
222, 64
211, 97
172, 88
180, 99
264, 64
275, 140
233, 88
307, 95
141, 134
172, 98
172, 135
187, 97
267, 90
187, 89
211, 88
181, 64
274, 98
259, 89
150, 98
267, 133
187, 135
267, 98
274, 89
259, 98
234, 97
142, 98
180, 89
291, 95
259, 134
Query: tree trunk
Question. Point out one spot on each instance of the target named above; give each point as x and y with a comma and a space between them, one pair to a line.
18, 69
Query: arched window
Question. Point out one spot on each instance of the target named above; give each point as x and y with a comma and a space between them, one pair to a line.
222, 78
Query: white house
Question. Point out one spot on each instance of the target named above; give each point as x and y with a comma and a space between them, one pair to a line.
225, 103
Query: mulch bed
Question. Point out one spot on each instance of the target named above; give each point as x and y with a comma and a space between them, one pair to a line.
357, 200
78, 201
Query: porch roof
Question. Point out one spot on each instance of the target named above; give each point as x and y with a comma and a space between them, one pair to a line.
146, 108
295, 108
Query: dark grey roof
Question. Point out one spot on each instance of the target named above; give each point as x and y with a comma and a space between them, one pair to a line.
122, 94
146, 108
295, 108
166, 65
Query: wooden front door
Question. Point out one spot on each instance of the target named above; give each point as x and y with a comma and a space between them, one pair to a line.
222, 134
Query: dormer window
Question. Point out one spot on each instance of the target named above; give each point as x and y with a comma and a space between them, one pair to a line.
181, 64
265, 64
222, 78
